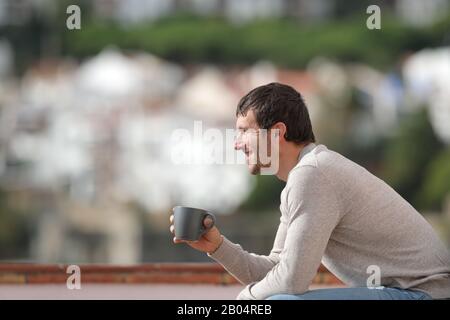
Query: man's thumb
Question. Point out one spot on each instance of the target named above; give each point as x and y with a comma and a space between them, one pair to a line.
208, 222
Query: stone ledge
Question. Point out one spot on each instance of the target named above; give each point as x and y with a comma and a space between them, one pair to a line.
171, 273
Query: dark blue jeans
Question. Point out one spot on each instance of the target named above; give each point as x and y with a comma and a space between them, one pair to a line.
381, 293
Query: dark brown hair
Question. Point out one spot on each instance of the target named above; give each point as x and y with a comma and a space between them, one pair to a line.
276, 102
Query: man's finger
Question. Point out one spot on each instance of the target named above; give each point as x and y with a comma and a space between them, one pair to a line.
172, 229
171, 218
175, 240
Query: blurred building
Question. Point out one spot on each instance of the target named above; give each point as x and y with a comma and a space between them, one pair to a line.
96, 138
427, 77
416, 12
421, 13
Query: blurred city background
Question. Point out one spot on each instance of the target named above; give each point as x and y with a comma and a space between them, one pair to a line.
86, 115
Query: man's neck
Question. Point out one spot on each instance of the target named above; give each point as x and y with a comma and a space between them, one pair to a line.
289, 159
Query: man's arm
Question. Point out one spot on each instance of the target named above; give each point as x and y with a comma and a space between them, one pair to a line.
313, 212
246, 267
249, 267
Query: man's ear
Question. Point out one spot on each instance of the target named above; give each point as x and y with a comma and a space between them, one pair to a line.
281, 129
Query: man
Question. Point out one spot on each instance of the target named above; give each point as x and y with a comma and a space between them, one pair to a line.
332, 211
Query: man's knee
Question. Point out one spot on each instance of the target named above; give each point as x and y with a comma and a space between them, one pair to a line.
284, 297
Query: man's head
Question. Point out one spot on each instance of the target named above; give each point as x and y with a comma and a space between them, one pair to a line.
272, 106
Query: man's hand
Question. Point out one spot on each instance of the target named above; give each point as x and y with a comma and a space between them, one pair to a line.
208, 243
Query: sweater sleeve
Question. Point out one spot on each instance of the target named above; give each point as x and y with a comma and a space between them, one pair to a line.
249, 267
313, 213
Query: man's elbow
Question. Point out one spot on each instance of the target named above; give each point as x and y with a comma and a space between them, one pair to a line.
291, 285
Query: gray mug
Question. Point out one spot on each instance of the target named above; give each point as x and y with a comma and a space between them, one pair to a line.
188, 222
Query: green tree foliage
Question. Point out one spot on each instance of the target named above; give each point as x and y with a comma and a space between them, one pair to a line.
265, 195
286, 42
408, 154
436, 185
14, 235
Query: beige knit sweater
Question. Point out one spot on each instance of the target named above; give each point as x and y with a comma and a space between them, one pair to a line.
336, 212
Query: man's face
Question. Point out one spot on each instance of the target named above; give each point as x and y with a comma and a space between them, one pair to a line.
247, 140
